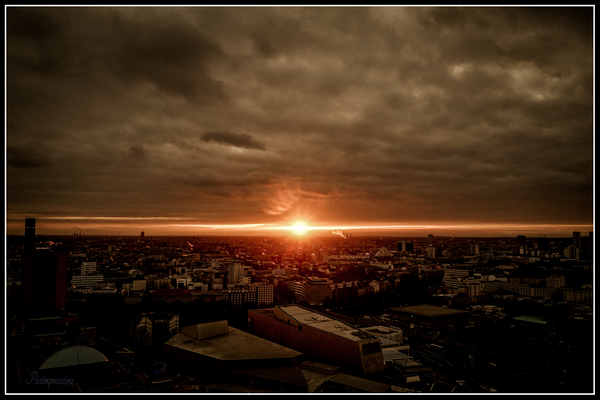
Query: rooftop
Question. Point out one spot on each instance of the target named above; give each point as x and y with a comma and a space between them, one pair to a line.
308, 317
235, 345
428, 310
74, 355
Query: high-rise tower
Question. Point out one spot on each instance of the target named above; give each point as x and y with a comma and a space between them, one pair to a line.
44, 276
577, 239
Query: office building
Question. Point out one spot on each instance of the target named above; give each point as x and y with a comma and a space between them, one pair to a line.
430, 238
555, 281
88, 277
577, 240
317, 291
405, 246
30, 234
298, 288
264, 294
577, 295
257, 294
430, 251
572, 252
454, 277
235, 272
239, 296
44, 275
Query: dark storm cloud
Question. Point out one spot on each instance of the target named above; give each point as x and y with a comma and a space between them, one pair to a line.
364, 113
138, 151
170, 55
29, 156
242, 140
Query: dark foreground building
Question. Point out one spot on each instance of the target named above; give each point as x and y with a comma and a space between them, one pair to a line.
44, 277
319, 337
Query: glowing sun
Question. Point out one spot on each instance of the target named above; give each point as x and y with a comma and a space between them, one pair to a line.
299, 228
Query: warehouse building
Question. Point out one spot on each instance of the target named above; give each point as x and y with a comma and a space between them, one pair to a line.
319, 337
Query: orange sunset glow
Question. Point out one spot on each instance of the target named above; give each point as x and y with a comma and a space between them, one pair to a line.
170, 227
401, 120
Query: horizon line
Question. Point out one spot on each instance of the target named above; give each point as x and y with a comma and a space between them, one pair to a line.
477, 229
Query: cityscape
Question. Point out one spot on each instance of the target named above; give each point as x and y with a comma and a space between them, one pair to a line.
299, 314
299, 199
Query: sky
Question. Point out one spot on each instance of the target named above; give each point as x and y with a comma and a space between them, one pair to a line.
208, 120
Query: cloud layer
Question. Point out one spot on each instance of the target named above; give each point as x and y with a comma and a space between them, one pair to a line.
333, 114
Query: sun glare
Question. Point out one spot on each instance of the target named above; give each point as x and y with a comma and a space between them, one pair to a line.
299, 228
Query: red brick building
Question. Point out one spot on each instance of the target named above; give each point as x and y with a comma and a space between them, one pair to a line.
319, 337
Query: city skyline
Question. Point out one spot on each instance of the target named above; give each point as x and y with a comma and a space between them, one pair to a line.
225, 120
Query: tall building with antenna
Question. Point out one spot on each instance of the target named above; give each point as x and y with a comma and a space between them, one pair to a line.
44, 276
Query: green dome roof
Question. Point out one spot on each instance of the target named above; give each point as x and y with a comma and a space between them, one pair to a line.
75, 355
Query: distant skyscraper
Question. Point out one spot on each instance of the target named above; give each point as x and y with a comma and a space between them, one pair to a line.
44, 276
235, 271
571, 252
577, 239
405, 245
142, 235
29, 234
430, 252
430, 237
28, 263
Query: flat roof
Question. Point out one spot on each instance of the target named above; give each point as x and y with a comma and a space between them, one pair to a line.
382, 330
311, 318
527, 318
235, 345
428, 310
